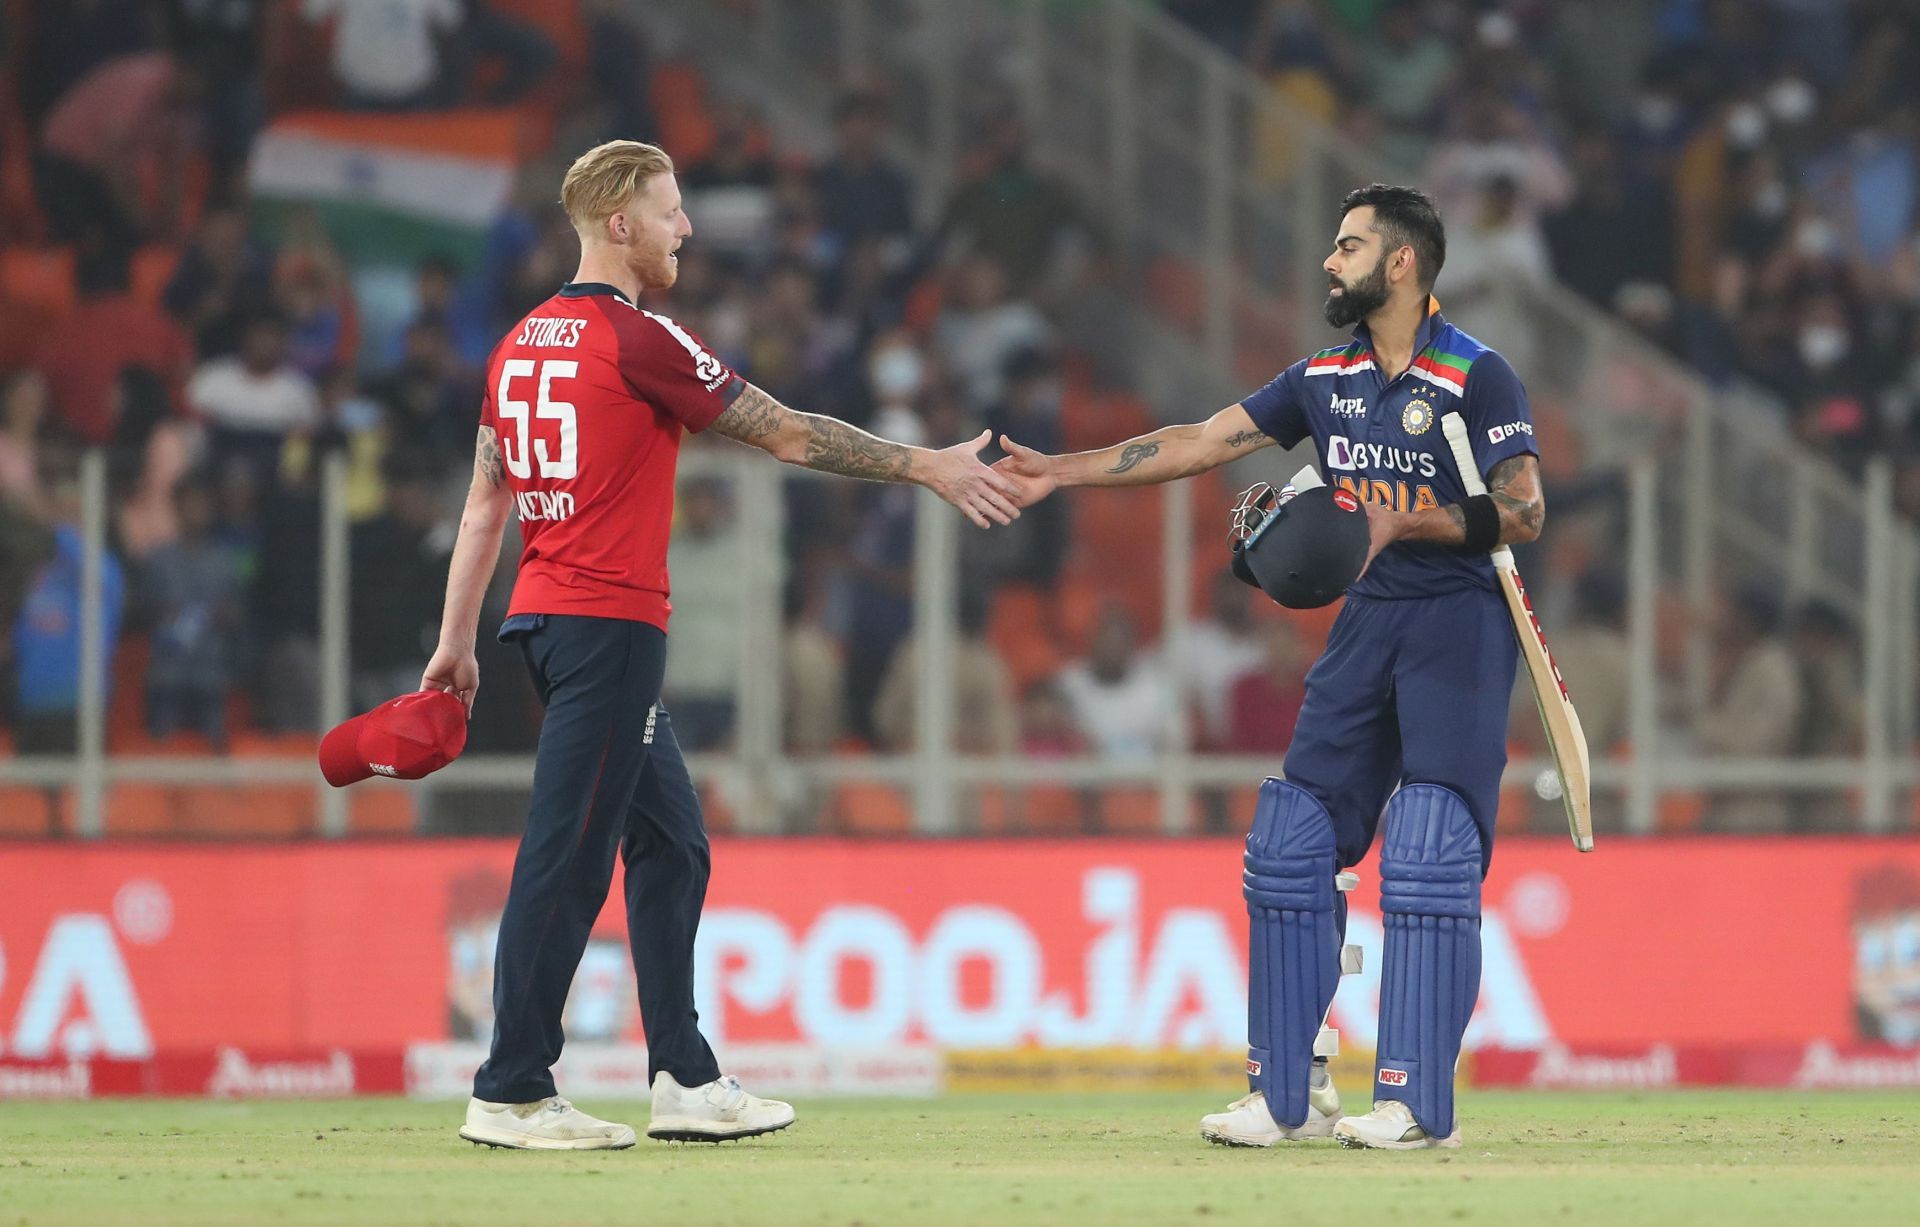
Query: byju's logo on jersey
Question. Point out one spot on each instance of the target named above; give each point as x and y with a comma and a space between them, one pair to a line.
1500, 434
1347, 406
1343, 453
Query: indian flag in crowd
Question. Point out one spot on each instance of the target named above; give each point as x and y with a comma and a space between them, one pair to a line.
388, 188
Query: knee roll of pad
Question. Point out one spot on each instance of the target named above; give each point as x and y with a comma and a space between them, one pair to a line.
1295, 921
1430, 972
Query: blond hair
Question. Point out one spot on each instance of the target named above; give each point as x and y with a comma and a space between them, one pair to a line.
604, 179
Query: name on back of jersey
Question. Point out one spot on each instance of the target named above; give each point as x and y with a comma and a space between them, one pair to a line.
551, 332
543, 504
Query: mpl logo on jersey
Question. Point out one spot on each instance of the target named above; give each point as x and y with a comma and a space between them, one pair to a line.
1346, 406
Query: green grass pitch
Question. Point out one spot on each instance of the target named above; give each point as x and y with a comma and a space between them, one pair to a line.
1745, 1158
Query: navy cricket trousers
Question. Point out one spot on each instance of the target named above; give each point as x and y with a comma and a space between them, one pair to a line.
1410, 691
608, 780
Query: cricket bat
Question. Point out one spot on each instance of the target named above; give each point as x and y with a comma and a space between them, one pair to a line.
1565, 738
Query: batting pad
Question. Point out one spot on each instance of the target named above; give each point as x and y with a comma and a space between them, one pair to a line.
1430, 972
1294, 923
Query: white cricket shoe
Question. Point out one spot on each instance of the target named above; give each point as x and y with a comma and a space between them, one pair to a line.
718, 1111
1247, 1122
545, 1124
1390, 1126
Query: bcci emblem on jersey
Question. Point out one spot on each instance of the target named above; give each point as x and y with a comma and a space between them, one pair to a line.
1416, 417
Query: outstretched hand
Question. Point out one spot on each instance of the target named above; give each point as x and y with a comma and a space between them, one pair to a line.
1029, 470
956, 475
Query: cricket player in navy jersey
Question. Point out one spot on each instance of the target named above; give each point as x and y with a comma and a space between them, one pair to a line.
586, 402
1405, 717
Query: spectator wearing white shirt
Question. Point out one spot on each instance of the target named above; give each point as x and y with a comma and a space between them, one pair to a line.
1221, 650
385, 52
251, 402
1119, 697
983, 327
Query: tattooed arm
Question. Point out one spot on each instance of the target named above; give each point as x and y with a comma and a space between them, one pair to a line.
832, 446
1514, 486
1165, 454
482, 523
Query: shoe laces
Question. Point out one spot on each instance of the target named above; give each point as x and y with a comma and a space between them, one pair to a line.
1243, 1101
727, 1092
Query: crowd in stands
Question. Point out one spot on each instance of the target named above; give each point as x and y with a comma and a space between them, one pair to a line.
219, 361
1737, 179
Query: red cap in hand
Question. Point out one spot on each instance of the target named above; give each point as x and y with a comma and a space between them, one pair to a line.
403, 739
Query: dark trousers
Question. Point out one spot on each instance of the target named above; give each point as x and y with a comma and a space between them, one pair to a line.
1407, 692
608, 780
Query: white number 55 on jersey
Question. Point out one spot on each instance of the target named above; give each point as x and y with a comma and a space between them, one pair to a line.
557, 468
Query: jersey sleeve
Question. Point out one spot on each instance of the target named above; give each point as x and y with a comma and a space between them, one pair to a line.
1280, 408
490, 412
668, 367
1499, 421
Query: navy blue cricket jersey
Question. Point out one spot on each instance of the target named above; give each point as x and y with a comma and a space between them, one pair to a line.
1383, 442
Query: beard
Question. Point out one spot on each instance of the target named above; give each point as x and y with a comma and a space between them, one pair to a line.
1357, 301
653, 265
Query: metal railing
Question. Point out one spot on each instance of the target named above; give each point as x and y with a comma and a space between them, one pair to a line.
771, 789
1210, 182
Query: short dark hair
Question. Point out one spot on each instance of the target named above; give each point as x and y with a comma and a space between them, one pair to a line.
1404, 217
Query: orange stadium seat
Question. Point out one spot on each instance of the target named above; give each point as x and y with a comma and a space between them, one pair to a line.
138, 810
1679, 812
678, 93
252, 743
29, 813
860, 808
249, 811
1133, 811
380, 811
38, 277
1241, 802
1020, 628
714, 809
1044, 809
152, 269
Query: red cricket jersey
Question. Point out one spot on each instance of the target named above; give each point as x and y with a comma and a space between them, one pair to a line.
588, 395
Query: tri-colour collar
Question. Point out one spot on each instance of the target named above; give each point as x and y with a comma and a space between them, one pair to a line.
1422, 336
585, 289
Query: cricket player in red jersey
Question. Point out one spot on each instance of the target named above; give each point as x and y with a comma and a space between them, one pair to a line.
580, 428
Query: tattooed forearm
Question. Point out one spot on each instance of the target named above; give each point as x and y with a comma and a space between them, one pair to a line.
1245, 437
835, 447
1514, 486
486, 458
751, 417
1134, 455
811, 440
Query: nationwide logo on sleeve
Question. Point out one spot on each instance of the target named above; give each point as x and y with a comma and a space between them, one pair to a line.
1416, 417
1345, 501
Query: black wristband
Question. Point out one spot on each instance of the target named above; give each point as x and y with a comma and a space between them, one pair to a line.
1483, 524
